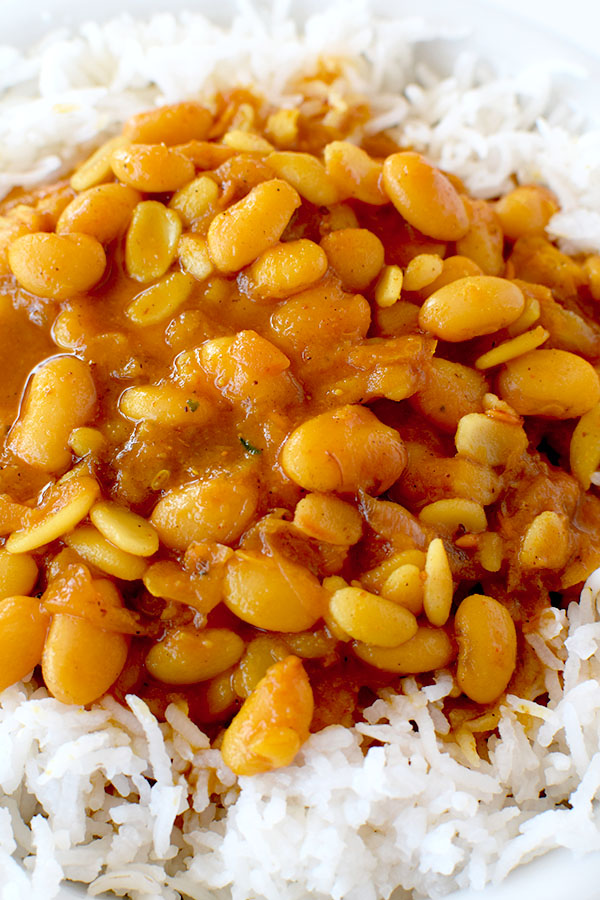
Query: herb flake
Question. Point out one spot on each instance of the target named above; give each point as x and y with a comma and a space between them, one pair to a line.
248, 447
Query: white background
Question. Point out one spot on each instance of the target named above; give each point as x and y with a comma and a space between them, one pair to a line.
574, 20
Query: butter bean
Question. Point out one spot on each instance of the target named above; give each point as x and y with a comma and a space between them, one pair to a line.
356, 255
371, 619
344, 450
306, 174
552, 383
286, 268
487, 643
103, 212
61, 397
470, 307
273, 723
424, 196
23, 627
237, 236
57, 266
176, 123
152, 168
81, 661
273, 593
18, 574
186, 656
429, 649
216, 509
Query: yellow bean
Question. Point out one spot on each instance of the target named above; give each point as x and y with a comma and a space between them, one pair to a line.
306, 174
354, 172
553, 383
186, 656
526, 209
161, 300
176, 123
282, 127
68, 503
519, 345
84, 441
194, 257
273, 723
487, 644
484, 241
217, 509
389, 286
151, 240
491, 551
96, 550
422, 270
241, 233
546, 544
356, 255
424, 196
344, 450
584, 450
591, 268
247, 142
103, 212
329, 519
18, 574
375, 578
152, 168
286, 268
490, 441
470, 307
371, 619
439, 588
164, 404
405, 586
57, 266
97, 168
81, 661
259, 656
195, 199
528, 317
124, 528
273, 593
450, 392
23, 627
429, 649
453, 268
60, 397
453, 512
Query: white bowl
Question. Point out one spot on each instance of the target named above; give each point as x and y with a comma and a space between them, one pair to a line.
508, 42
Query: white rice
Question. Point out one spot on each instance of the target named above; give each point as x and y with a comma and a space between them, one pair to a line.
110, 797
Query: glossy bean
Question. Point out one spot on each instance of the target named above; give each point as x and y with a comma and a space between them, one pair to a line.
187, 656
23, 627
273, 593
61, 396
237, 236
487, 644
552, 383
273, 723
81, 661
344, 450
57, 266
471, 307
424, 196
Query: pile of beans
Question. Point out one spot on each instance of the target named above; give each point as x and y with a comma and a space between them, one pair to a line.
287, 418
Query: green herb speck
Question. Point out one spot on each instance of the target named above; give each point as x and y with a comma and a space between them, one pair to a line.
249, 448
